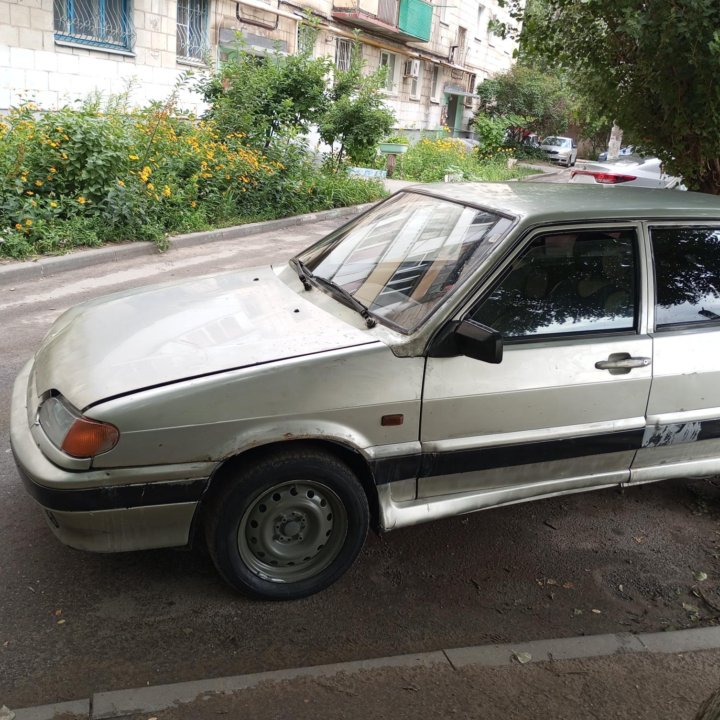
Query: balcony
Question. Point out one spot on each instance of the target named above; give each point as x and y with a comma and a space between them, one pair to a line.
403, 20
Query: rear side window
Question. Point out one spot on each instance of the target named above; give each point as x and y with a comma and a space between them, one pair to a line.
687, 275
575, 282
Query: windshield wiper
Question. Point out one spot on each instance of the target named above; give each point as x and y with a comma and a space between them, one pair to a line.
302, 271
346, 298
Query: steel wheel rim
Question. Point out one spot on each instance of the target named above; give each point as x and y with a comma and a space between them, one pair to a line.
293, 531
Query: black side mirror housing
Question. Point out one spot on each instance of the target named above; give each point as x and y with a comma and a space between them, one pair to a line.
479, 341
468, 338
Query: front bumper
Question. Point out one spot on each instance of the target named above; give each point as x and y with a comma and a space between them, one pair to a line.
559, 159
106, 510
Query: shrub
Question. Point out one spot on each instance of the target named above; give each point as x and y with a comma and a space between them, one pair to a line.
81, 177
356, 118
430, 160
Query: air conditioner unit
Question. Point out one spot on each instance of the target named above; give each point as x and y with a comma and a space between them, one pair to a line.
412, 68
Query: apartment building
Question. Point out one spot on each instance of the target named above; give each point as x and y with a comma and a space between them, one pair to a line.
57, 51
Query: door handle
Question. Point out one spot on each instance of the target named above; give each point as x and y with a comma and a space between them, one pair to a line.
622, 363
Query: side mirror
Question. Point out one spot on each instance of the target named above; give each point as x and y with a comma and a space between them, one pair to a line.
479, 341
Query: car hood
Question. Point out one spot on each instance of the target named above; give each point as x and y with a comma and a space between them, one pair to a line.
161, 334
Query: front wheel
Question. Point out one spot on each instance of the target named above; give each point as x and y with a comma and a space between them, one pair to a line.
288, 525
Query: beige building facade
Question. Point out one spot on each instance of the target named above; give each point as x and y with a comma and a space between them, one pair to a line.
58, 51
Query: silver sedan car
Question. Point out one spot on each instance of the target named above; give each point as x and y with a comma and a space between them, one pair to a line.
560, 150
455, 348
638, 172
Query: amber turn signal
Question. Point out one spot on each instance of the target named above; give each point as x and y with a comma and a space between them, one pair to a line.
87, 438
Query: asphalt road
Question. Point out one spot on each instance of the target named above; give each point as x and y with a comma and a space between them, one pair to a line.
73, 623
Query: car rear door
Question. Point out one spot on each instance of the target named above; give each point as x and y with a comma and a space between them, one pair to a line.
683, 433
565, 409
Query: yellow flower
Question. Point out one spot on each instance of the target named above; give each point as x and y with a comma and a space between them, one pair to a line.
133, 157
193, 204
53, 169
121, 183
18, 226
166, 191
39, 183
150, 186
81, 200
28, 222
29, 192
53, 204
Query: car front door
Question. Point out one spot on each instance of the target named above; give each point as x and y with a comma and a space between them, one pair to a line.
683, 433
565, 408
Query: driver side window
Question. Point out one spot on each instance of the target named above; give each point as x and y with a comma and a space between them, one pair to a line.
580, 281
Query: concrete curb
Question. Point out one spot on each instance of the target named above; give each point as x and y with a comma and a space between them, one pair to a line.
121, 703
34, 269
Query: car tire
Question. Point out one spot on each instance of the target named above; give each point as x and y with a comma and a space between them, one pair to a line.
288, 525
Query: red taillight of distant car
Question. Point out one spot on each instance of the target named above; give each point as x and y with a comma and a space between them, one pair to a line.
605, 178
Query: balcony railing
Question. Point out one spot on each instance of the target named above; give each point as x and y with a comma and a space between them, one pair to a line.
388, 11
406, 20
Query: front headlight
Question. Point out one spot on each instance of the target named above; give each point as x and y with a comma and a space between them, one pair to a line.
72, 432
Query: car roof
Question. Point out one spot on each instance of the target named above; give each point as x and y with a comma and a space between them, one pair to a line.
563, 202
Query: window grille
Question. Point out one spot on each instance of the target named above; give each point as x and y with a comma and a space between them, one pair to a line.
192, 29
306, 36
98, 23
416, 84
343, 54
388, 60
434, 82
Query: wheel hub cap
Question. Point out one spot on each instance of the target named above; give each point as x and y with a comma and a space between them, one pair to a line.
292, 531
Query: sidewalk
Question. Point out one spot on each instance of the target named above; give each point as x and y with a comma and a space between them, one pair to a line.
639, 677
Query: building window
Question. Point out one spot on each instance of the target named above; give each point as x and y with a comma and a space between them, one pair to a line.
435, 83
470, 84
416, 83
306, 36
462, 46
192, 29
389, 61
482, 23
97, 23
343, 54
442, 16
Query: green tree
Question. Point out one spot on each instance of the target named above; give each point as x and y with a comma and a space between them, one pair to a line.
267, 98
537, 100
652, 65
356, 118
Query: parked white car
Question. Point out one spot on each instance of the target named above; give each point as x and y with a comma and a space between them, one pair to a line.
646, 172
562, 150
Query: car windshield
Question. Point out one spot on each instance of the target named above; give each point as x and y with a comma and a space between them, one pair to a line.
403, 258
557, 141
